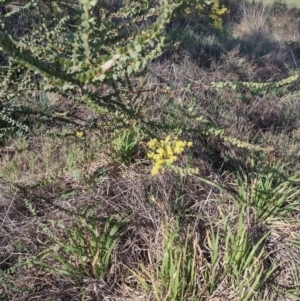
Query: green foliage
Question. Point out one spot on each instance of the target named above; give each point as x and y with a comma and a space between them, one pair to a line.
6, 273
174, 277
271, 196
125, 143
93, 51
87, 250
99, 49
6, 279
257, 86
240, 259
211, 129
87, 53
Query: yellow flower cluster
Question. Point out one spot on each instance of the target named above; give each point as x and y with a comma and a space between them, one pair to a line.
165, 152
216, 14
79, 134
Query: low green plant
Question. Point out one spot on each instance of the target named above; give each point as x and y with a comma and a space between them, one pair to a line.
7, 274
271, 196
86, 251
7, 281
240, 258
174, 276
125, 143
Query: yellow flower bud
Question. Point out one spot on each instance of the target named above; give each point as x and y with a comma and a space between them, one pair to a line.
155, 170
161, 151
168, 138
169, 151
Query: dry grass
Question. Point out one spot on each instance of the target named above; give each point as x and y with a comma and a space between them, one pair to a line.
220, 243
